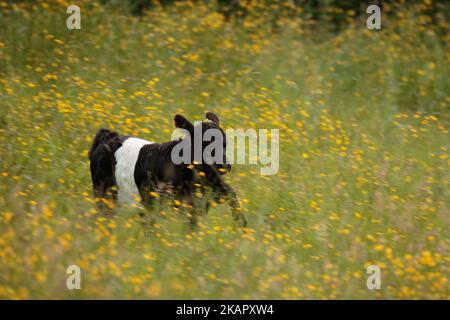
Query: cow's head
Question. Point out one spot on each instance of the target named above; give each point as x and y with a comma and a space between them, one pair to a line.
213, 143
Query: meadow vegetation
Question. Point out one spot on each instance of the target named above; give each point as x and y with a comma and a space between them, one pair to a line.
364, 143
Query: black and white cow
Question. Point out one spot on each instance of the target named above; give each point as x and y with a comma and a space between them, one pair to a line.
127, 169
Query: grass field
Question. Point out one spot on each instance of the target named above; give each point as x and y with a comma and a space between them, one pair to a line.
364, 143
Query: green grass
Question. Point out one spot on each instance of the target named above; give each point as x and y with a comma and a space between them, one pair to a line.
364, 168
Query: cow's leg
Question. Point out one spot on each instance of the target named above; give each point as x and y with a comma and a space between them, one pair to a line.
188, 204
146, 187
102, 163
207, 206
147, 216
105, 196
148, 201
226, 192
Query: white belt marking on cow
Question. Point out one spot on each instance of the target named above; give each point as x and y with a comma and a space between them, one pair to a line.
126, 158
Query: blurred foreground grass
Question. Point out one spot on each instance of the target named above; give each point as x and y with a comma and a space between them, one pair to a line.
364, 169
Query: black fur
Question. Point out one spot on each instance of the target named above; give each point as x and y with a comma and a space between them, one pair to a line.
155, 172
102, 163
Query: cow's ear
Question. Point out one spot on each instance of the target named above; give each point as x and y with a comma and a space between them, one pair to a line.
183, 123
213, 117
